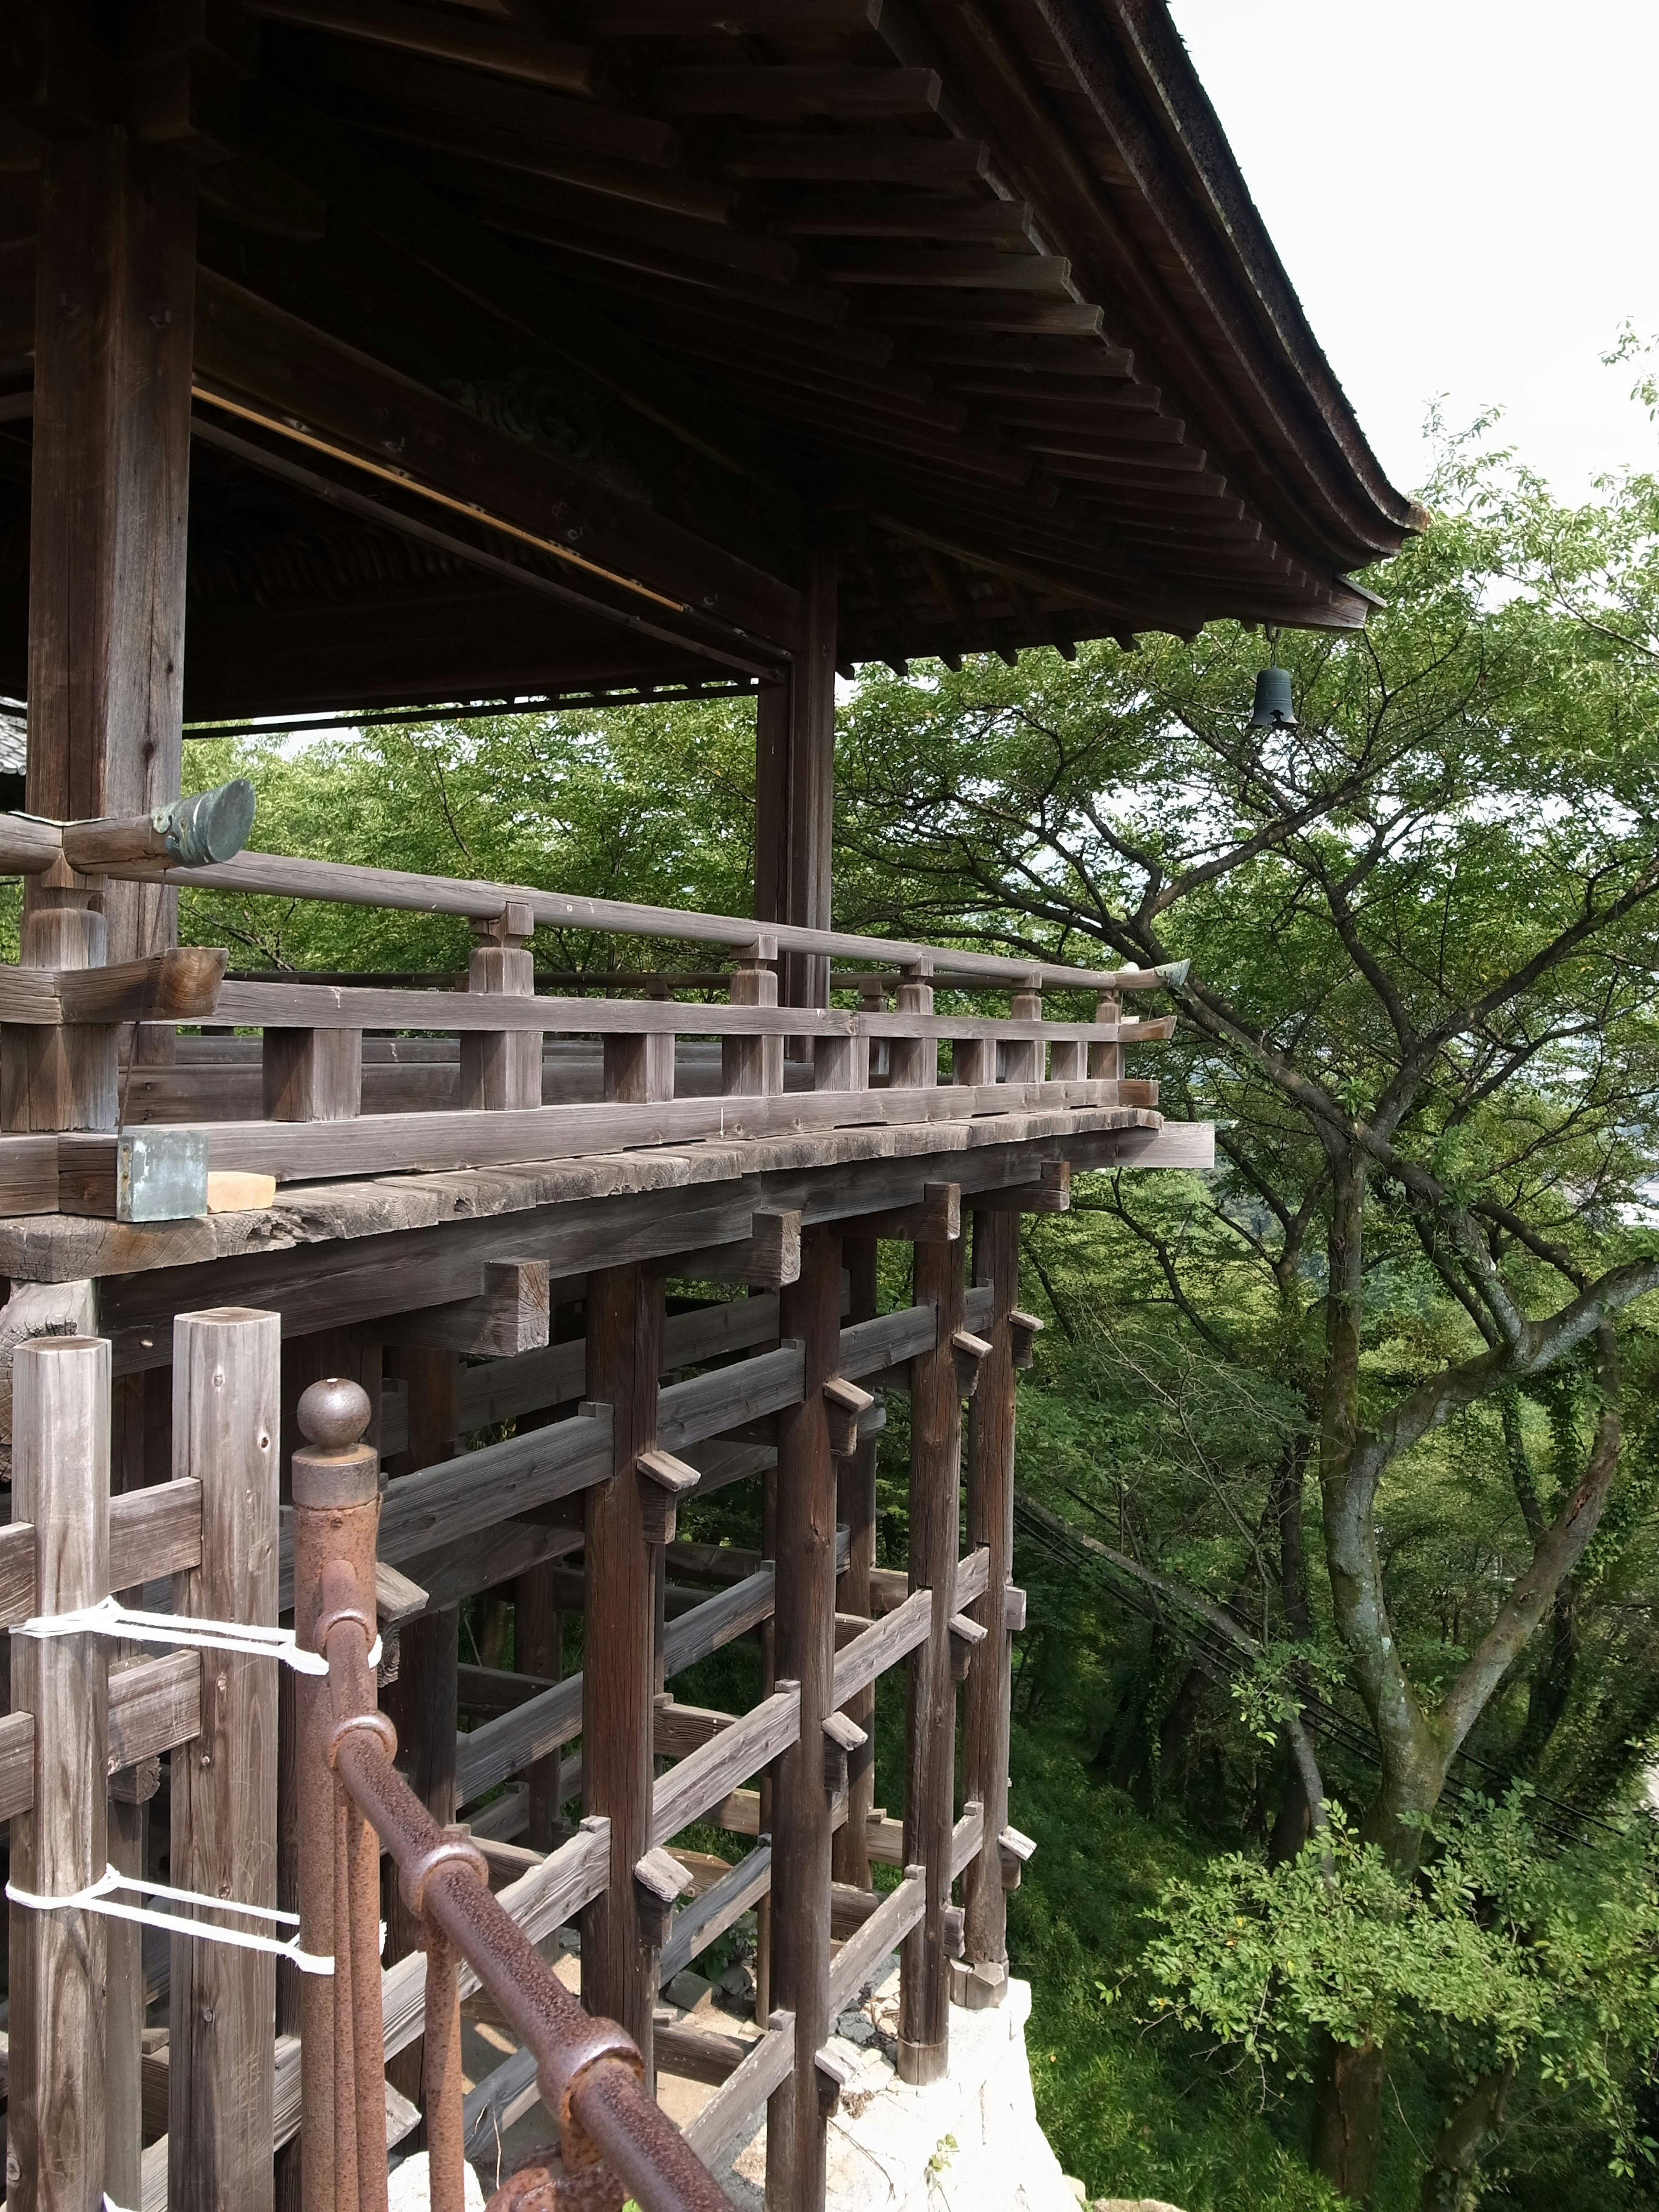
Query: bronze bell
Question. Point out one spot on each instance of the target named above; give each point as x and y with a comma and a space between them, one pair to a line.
1274, 710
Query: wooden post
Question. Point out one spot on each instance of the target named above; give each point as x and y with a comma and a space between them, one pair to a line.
1106, 1061
991, 1522
114, 338
313, 1075
855, 1505
502, 1068
752, 1066
539, 1649
795, 794
624, 1360
804, 1630
422, 1702
1022, 1057
931, 1698
227, 1385
914, 1061
55, 2160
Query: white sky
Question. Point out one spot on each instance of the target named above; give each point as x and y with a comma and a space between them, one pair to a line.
1462, 192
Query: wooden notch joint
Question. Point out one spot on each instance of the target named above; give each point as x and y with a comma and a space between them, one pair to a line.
514, 925
1022, 1331
846, 1406
842, 1736
511, 1314
1013, 1609
1013, 1849
659, 1881
767, 1259
1050, 1193
832, 2073
966, 1637
936, 1220
967, 1351
665, 1481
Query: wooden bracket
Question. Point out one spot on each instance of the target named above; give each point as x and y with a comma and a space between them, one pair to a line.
966, 1637
832, 2073
966, 1353
1050, 1193
1013, 1849
659, 1881
936, 1220
766, 1259
1013, 1609
180, 986
397, 1599
665, 1482
510, 1315
846, 1404
514, 924
842, 1737
1022, 1330
956, 1932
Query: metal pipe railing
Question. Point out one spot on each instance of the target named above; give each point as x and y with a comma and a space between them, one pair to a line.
614, 2141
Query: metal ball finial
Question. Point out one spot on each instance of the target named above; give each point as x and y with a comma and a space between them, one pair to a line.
334, 1414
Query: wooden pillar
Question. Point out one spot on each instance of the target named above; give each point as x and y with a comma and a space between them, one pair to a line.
931, 1698
855, 1505
804, 1631
502, 1068
60, 1475
227, 1384
624, 1360
795, 793
114, 333
421, 1703
991, 1522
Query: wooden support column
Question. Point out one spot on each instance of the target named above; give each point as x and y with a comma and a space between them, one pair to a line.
1106, 1061
114, 336
752, 1066
313, 1075
55, 2153
502, 1068
795, 794
855, 1505
913, 1062
1022, 1057
227, 1386
803, 1627
991, 1523
421, 1703
624, 1360
931, 1696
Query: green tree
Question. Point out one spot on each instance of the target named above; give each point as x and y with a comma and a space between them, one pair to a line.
1419, 1009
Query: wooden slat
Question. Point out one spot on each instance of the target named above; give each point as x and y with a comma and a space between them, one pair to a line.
155, 1704
498, 50
766, 2068
892, 1920
697, 1924
157, 1531
967, 1838
699, 2054
705, 1776
707, 1404
883, 1644
16, 1764
868, 95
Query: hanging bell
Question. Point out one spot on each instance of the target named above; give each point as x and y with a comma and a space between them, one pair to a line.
1274, 710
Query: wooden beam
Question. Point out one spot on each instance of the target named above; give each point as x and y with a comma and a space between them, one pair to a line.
857, 94
858, 159
499, 52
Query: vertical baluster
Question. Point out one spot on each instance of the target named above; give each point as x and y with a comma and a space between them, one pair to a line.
974, 1062
872, 999
502, 1068
1022, 1057
914, 1060
313, 1075
1106, 1060
446, 2137
752, 1066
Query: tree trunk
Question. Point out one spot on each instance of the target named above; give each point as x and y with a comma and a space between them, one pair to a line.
1347, 2127
1448, 2186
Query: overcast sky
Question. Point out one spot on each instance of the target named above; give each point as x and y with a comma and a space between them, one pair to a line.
1463, 192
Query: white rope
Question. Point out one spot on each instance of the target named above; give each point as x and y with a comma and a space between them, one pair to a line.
108, 1618
100, 1897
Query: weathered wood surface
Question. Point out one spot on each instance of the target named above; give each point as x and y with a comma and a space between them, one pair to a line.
60, 1444
892, 1921
707, 1777
990, 1525
152, 1533
624, 1359
155, 1705
763, 2072
226, 1426
697, 1924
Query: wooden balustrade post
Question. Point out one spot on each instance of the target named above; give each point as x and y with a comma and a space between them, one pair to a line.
913, 1062
752, 1066
930, 1697
855, 1506
502, 1068
991, 1523
55, 2152
625, 1361
1022, 1057
313, 1075
227, 1385
974, 1062
1106, 1061
804, 1627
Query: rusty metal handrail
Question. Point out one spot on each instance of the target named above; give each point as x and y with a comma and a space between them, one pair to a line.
614, 2140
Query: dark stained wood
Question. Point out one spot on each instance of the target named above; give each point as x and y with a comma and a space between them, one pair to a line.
624, 1356
539, 1649
795, 739
869, 95
991, 1523
855, 1508
502, 52
804, 1630
226, 1422
931, 1700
